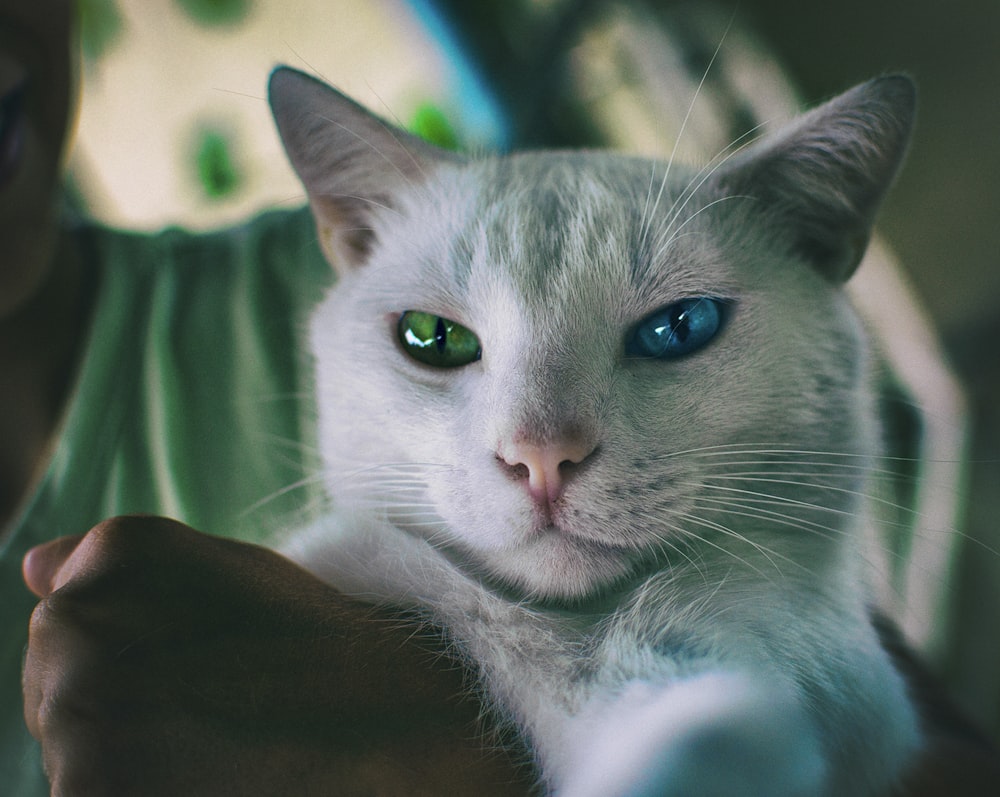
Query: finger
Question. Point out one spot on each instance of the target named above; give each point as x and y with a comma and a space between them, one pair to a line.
41, 565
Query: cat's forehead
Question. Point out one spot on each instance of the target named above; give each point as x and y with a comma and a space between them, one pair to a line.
550, 225
561, 197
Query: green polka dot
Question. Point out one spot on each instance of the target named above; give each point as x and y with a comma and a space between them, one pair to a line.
100, 26
430, 123
217, 171
217, 13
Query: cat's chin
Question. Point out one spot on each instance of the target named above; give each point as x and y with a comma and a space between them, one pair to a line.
554, 566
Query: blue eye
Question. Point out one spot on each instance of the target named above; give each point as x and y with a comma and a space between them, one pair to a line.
677, 330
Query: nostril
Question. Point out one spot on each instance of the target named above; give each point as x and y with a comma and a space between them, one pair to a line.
576, 457
544, 469
516, 469
568, 467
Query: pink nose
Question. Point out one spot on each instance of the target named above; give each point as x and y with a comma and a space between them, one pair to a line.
548, 465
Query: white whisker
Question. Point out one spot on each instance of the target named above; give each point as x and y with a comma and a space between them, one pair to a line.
375, 149
683, 128
693, 185
308, 481
724, 530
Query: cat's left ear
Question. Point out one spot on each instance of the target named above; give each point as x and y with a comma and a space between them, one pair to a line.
352, 163
821, 180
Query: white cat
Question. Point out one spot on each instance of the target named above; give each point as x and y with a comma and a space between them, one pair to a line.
609, 422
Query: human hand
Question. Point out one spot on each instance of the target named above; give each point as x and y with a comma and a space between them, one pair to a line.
163, 661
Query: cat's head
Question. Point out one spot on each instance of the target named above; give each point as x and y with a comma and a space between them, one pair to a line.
566, 366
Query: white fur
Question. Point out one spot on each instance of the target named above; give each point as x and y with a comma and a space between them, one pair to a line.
694, 620
712, 734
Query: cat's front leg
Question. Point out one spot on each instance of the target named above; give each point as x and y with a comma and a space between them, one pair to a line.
719, 734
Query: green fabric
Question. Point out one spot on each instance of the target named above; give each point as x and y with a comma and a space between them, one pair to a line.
192, 364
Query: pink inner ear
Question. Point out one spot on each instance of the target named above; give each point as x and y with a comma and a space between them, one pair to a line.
346, 235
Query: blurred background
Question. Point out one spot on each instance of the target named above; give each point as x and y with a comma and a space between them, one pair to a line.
174, 130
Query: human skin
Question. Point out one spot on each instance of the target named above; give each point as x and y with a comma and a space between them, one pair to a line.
36, 60
45, 292
165, 661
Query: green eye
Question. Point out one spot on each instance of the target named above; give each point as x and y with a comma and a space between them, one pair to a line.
436, 341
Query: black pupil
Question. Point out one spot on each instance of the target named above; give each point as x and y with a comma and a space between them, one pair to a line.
440, 335
680, 327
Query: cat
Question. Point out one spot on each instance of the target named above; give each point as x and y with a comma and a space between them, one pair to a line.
610, 423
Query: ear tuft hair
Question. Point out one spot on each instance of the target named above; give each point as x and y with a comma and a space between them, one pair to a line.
825, 176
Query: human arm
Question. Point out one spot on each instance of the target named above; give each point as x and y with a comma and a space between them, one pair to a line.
165, 661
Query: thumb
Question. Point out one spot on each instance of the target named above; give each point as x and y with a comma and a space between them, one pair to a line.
42, 563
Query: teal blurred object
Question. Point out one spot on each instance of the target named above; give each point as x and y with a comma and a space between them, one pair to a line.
480, 117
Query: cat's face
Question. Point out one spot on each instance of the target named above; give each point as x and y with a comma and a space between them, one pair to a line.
565, 367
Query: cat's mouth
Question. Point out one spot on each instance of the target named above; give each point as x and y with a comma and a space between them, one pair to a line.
562, 566
553, 524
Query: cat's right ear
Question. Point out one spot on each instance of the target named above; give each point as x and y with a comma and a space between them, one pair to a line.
351, 163
822, 178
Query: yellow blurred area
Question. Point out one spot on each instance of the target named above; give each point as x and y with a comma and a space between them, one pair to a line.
165, 77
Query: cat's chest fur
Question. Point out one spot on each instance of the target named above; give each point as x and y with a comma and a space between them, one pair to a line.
608, 422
